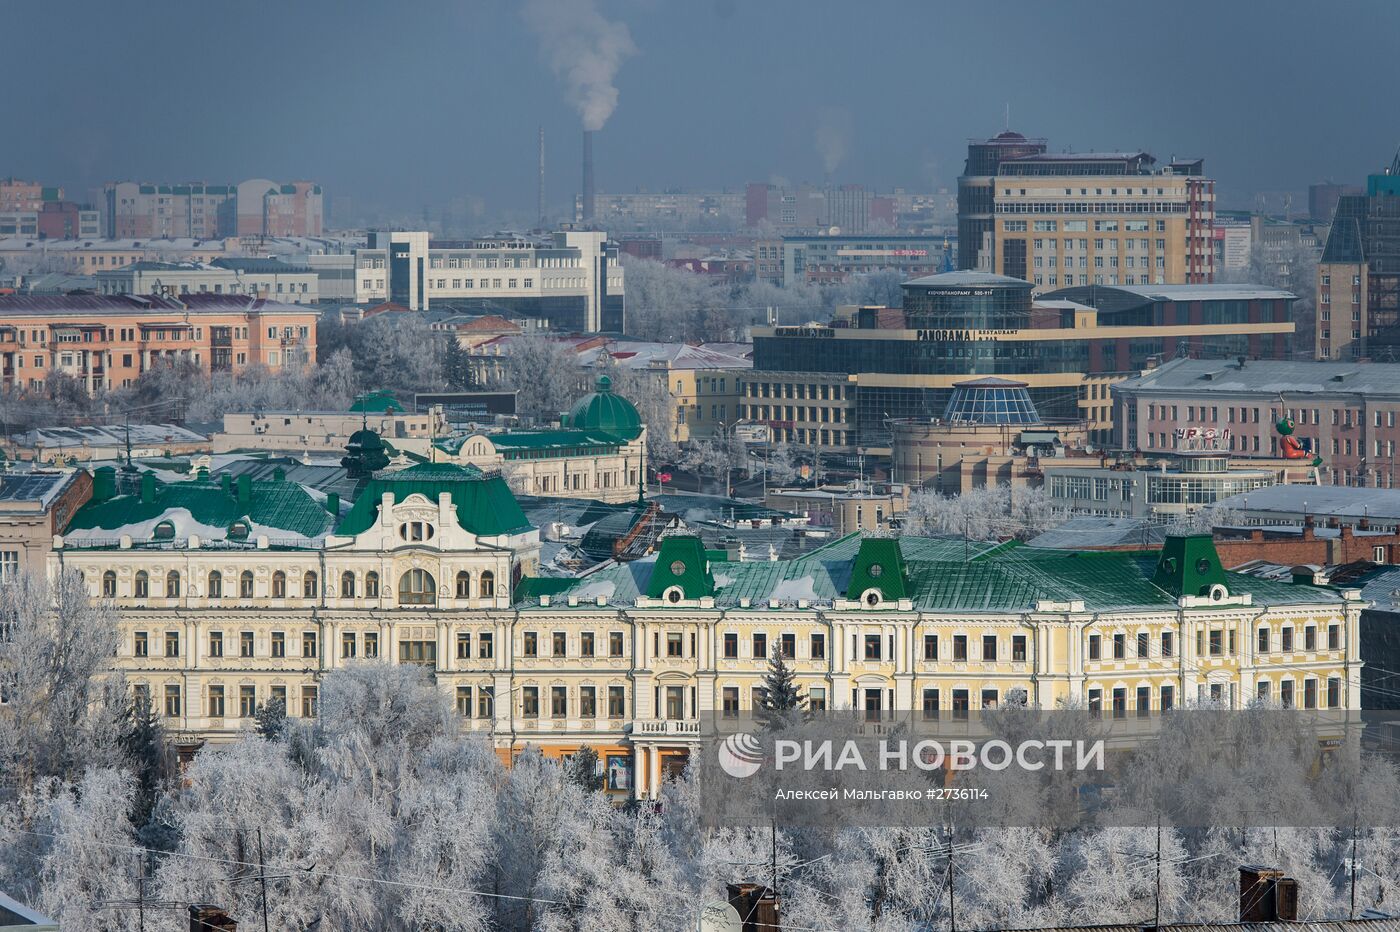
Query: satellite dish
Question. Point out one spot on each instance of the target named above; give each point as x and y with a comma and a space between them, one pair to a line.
834, 231
720, 917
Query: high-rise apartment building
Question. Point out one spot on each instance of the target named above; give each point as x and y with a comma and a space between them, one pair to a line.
1358, 277
1096, 218
28, 196
206, 211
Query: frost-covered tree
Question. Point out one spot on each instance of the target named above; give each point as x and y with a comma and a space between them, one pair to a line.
544, 374
1205, 520
987, 513
65, 701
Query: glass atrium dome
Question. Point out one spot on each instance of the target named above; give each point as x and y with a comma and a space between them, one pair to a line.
991, 401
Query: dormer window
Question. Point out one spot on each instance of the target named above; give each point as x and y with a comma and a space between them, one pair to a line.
165, 530
416, 531
238, 530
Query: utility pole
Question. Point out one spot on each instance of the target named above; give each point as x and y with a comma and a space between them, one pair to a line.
1353, 864
1157, 899
262, 879
952, 912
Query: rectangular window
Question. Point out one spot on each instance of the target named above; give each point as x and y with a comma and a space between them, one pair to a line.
1144, 701
559, 702
615, 644
617, 701
464, 645
245, 643
1142, 640
1216, 645
464, 701
1334, 637
588, 702
1120, 702
675, 644
1262, 645
760, 645
141, 647
485, 645
347, 645
1310, 694
931, 703
585, 644
731, 645
959, 651
172, 701
1018, 648
172, 643
279, 644
308, 701
1334, 692
1285, 693
308, 643
1168, 648
989, 648
729, 702
816, 698
1120, 647
1286, 642
960, 703
818, 646
530, 701
486, 702
787, 645
1095, 647
1310, 638
989, 698
930, 647
532, 644
419, 652
872, 647
216, 702
216, 643
560, 644
1168, 698
247, 701
1095, 702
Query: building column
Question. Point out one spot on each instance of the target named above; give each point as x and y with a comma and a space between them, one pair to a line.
654, 782
639, 772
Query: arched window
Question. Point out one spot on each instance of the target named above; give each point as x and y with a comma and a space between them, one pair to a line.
308, 586
371, 585
279, 585
347, 585
165, 530
416, 587
464, 585
109, 585
143, 585
172, 585
216, 585
245, 584
488, 584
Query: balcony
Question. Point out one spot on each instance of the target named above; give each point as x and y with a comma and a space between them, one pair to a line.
666, 728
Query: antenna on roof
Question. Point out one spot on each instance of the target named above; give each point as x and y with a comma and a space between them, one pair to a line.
1008, 116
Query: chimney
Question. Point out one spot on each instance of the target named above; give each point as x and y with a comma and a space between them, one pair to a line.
587, 176
205, 918
758, 907
148, 488
1266, 895
333, 504
245, 490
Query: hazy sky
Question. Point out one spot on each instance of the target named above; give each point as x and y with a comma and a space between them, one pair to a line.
418, 101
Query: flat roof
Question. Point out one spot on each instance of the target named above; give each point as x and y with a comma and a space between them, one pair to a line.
1273, 377
1323, 501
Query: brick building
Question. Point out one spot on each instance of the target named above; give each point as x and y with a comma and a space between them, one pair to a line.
1343, 412
107, 341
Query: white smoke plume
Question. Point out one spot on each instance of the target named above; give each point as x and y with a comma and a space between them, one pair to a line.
833, 137
585, 50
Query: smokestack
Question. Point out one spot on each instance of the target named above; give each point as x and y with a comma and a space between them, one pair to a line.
541, 192
588, 176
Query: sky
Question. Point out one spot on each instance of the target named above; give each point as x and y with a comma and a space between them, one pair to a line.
420, 103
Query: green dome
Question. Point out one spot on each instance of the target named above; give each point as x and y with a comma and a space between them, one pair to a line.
604, 411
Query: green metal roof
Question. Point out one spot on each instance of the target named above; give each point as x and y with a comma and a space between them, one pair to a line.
878, 565
272, 506
604, 411
942, 574
681, 562
485, 505
377, 402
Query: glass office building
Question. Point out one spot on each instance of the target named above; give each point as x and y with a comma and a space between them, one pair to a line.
1067, 347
